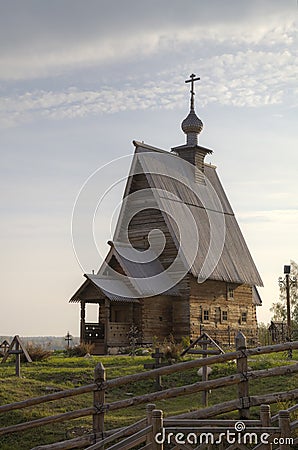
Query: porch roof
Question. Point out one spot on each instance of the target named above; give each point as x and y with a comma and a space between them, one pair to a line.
104, 287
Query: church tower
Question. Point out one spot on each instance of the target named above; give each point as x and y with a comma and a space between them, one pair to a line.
192, 126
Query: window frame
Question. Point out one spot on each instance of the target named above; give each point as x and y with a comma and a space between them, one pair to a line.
224, 316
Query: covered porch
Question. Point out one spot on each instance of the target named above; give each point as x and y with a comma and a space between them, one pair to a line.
114, 321
114, 317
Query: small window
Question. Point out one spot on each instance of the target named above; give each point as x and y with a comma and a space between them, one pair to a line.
224, 315
244, 316
206, 315
230, 292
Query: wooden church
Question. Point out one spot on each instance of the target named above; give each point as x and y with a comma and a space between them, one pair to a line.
178, 263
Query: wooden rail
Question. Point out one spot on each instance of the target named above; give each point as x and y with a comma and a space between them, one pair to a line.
100, 385
128, 379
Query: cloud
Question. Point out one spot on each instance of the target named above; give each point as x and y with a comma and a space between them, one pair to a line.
43, 39
251, 79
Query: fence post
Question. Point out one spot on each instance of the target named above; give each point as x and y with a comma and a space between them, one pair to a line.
285, 429
149, 408
99, 398
265, 418
157, 430
240, 343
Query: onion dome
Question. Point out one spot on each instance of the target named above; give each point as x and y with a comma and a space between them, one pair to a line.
192, 123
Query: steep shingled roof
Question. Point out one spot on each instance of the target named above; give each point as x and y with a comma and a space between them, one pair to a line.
235, 264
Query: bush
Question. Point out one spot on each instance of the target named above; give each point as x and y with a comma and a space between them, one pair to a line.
80, 349
171, 349
37, 353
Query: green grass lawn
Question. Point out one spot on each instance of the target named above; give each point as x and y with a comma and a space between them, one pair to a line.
60, 372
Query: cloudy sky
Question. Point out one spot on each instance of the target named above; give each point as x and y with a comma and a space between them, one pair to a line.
80, 80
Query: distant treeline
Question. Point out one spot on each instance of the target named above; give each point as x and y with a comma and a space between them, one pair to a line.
49, 342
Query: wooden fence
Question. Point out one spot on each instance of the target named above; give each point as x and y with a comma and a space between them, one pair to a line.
243, 403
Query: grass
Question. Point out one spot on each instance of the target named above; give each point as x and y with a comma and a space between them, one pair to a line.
59, 372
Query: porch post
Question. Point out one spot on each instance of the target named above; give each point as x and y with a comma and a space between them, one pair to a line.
82, 328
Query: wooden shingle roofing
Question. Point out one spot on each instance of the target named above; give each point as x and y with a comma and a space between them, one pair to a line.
235, 264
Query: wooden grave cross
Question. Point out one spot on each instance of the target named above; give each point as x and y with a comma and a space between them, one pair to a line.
4, 347
68, 338
204, 341
157, 355
17, 348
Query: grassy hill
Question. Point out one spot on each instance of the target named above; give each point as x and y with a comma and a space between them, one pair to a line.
60, 372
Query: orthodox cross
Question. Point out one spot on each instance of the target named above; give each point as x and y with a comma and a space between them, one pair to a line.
68, 338
157, 355
192, 92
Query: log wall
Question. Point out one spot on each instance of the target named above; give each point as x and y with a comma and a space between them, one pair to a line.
216, 306
157, 317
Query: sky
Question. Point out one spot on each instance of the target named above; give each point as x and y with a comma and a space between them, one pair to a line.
80, 80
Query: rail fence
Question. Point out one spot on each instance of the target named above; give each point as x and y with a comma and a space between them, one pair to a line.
144, 430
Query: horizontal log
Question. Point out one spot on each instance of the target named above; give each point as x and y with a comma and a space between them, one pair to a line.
168, 393
121, 381
48, 398
46, 420
233, 405
211, 411
126, 444
290, 410
228, 423
131, 429
88, 439
70, 444
273, 398
202, 386
204, 352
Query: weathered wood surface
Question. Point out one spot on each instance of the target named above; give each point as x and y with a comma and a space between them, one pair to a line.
99, 398
48, 398
291, 410
285, 428
88, 439
212, 296
46, 420
201, 386
157, 424
243, 387
121, 381
17, 348
136, 439
233, 405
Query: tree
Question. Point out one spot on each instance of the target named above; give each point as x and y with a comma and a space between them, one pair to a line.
279, 308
